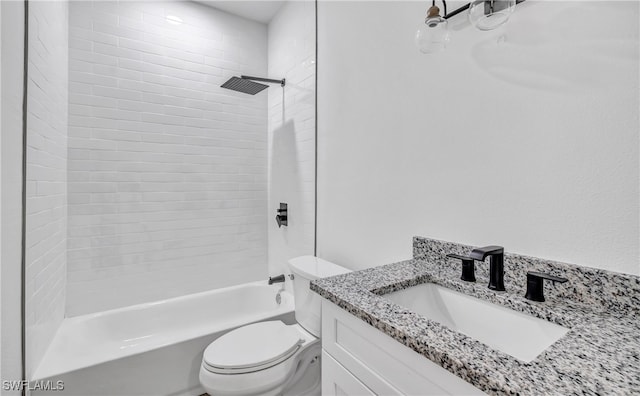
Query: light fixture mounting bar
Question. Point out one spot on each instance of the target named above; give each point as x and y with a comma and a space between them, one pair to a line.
457, 11
463, 8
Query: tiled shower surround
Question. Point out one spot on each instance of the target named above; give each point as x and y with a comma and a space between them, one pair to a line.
167, 171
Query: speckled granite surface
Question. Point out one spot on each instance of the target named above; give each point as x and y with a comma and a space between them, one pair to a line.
600, 355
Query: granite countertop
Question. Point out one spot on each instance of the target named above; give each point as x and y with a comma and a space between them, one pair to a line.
600, 355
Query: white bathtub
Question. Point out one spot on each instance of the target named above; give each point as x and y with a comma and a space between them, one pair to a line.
154, 348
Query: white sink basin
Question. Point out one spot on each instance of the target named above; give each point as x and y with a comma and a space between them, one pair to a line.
519, 335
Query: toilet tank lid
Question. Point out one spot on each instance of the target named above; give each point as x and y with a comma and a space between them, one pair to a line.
312, 268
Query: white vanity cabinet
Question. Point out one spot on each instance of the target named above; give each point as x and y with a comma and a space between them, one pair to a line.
358, 359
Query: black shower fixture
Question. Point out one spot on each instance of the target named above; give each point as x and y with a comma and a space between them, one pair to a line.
248, 84
282, 218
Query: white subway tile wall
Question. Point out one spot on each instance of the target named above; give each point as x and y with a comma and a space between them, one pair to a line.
46, 222
167, 171
292, 132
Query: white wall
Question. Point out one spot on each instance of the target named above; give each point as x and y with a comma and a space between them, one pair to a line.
531, 143
292, 132
167, 171
12, 25
46, 222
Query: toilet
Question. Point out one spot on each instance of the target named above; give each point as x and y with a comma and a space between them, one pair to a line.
273, 358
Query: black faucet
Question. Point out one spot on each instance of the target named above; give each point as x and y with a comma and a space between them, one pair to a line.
276, 279
496, 264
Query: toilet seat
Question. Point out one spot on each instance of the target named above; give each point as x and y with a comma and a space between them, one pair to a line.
244, 350
256, 372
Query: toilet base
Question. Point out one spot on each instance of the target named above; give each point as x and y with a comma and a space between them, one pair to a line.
309, 383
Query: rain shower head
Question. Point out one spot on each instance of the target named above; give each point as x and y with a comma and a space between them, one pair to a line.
248, 84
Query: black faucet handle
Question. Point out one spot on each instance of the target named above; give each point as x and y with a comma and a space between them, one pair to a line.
535, 284
468, 267
550, 277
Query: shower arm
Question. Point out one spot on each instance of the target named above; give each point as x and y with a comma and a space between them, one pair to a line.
269, 80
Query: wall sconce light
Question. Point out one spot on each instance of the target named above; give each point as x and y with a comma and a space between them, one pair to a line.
433, 35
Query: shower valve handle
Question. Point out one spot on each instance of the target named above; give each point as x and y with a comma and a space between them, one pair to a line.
281, 220
282, 216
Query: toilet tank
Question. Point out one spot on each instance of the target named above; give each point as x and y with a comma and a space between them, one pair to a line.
306, 269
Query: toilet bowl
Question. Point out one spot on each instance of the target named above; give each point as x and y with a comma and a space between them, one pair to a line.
273, 358
259, 359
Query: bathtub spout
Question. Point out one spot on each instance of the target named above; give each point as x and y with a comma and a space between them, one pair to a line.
276, 279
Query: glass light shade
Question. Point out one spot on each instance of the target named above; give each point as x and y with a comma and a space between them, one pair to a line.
489, 14
432, 35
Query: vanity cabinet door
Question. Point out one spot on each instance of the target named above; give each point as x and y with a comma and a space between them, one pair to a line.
337, 381
381, 363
